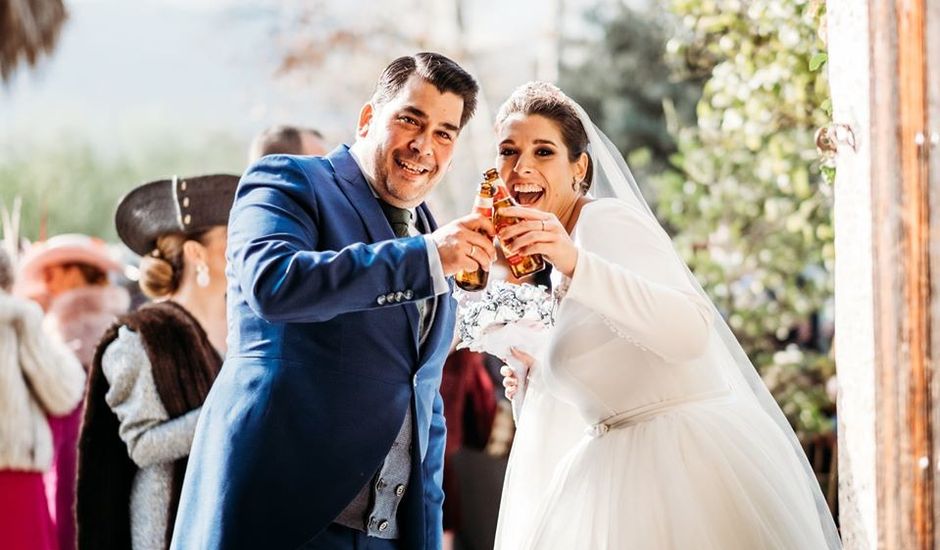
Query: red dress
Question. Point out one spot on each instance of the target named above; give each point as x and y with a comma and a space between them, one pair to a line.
24, 512
60, 479
469, 408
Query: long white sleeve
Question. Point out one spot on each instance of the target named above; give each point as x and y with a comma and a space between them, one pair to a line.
628, 273
55, 374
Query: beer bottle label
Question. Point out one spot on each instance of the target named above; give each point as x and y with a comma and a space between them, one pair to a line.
484, 205
501, 193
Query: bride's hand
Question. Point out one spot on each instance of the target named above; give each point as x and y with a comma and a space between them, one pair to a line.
510, 382
540, 233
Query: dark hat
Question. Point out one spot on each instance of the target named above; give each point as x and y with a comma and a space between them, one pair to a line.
175, 205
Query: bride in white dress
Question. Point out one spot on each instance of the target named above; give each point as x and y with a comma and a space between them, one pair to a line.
644, 426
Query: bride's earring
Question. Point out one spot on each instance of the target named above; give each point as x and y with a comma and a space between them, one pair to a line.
202, 275
574, 184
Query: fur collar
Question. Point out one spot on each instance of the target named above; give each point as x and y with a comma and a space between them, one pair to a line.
13, 307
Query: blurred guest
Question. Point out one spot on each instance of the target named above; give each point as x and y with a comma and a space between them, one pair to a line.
69, 275
39, 376
469, 409
287, 140
153, 368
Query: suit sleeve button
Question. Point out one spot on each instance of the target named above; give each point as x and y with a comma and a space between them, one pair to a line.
380, 300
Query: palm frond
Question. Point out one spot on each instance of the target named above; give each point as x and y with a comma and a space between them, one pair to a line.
28, 30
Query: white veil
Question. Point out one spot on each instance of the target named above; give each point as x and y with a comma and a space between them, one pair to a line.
613, 178
552, 431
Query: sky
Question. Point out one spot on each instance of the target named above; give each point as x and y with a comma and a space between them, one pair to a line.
129, 77
202, 66
121, 67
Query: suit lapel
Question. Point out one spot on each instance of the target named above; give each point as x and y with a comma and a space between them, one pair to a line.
354, 185
424, 214
443, 307
438, 305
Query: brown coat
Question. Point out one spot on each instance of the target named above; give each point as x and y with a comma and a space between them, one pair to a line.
184, 364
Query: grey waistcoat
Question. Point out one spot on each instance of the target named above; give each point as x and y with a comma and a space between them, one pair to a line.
374, 510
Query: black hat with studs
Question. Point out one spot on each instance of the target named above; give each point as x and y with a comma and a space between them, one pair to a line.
174, 205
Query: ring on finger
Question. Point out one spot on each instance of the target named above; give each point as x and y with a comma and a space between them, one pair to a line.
473, 249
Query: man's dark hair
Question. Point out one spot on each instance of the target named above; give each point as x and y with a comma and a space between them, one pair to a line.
281, 140
442, 72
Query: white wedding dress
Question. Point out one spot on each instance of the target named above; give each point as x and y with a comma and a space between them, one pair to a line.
632, 436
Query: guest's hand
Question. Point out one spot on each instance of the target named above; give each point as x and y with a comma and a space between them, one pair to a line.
465, 244
540, 233
510, 381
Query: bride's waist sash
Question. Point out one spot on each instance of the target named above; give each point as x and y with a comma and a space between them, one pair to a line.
645, 412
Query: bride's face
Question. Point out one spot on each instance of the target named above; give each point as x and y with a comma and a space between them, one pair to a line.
534, 162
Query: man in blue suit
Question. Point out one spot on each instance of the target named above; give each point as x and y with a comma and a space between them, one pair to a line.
325, 428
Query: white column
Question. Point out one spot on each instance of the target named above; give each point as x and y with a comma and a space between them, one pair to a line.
850, 80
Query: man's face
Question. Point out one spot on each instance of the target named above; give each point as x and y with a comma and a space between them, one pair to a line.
410, 140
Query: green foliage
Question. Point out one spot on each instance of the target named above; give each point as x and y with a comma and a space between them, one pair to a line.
817, 61
715, 105
624, 82
797, 378
73, 188
749, 199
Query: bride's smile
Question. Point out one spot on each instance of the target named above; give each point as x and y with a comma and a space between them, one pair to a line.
538, 167
527, 194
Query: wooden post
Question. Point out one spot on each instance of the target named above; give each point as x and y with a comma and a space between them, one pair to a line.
915, 326
932, 150
894, 441
902, 319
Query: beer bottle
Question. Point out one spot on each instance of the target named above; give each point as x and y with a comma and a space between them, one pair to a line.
476, 280
521, 266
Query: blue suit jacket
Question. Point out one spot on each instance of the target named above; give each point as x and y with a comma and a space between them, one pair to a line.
320, 370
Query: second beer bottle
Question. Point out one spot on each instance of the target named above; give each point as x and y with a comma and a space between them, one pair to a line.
521, 266
476, 280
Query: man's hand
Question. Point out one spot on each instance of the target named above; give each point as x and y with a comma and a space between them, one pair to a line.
465, 244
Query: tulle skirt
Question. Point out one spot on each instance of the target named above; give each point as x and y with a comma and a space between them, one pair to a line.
707, 475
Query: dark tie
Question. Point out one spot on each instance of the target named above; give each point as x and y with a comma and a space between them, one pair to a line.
398, 218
